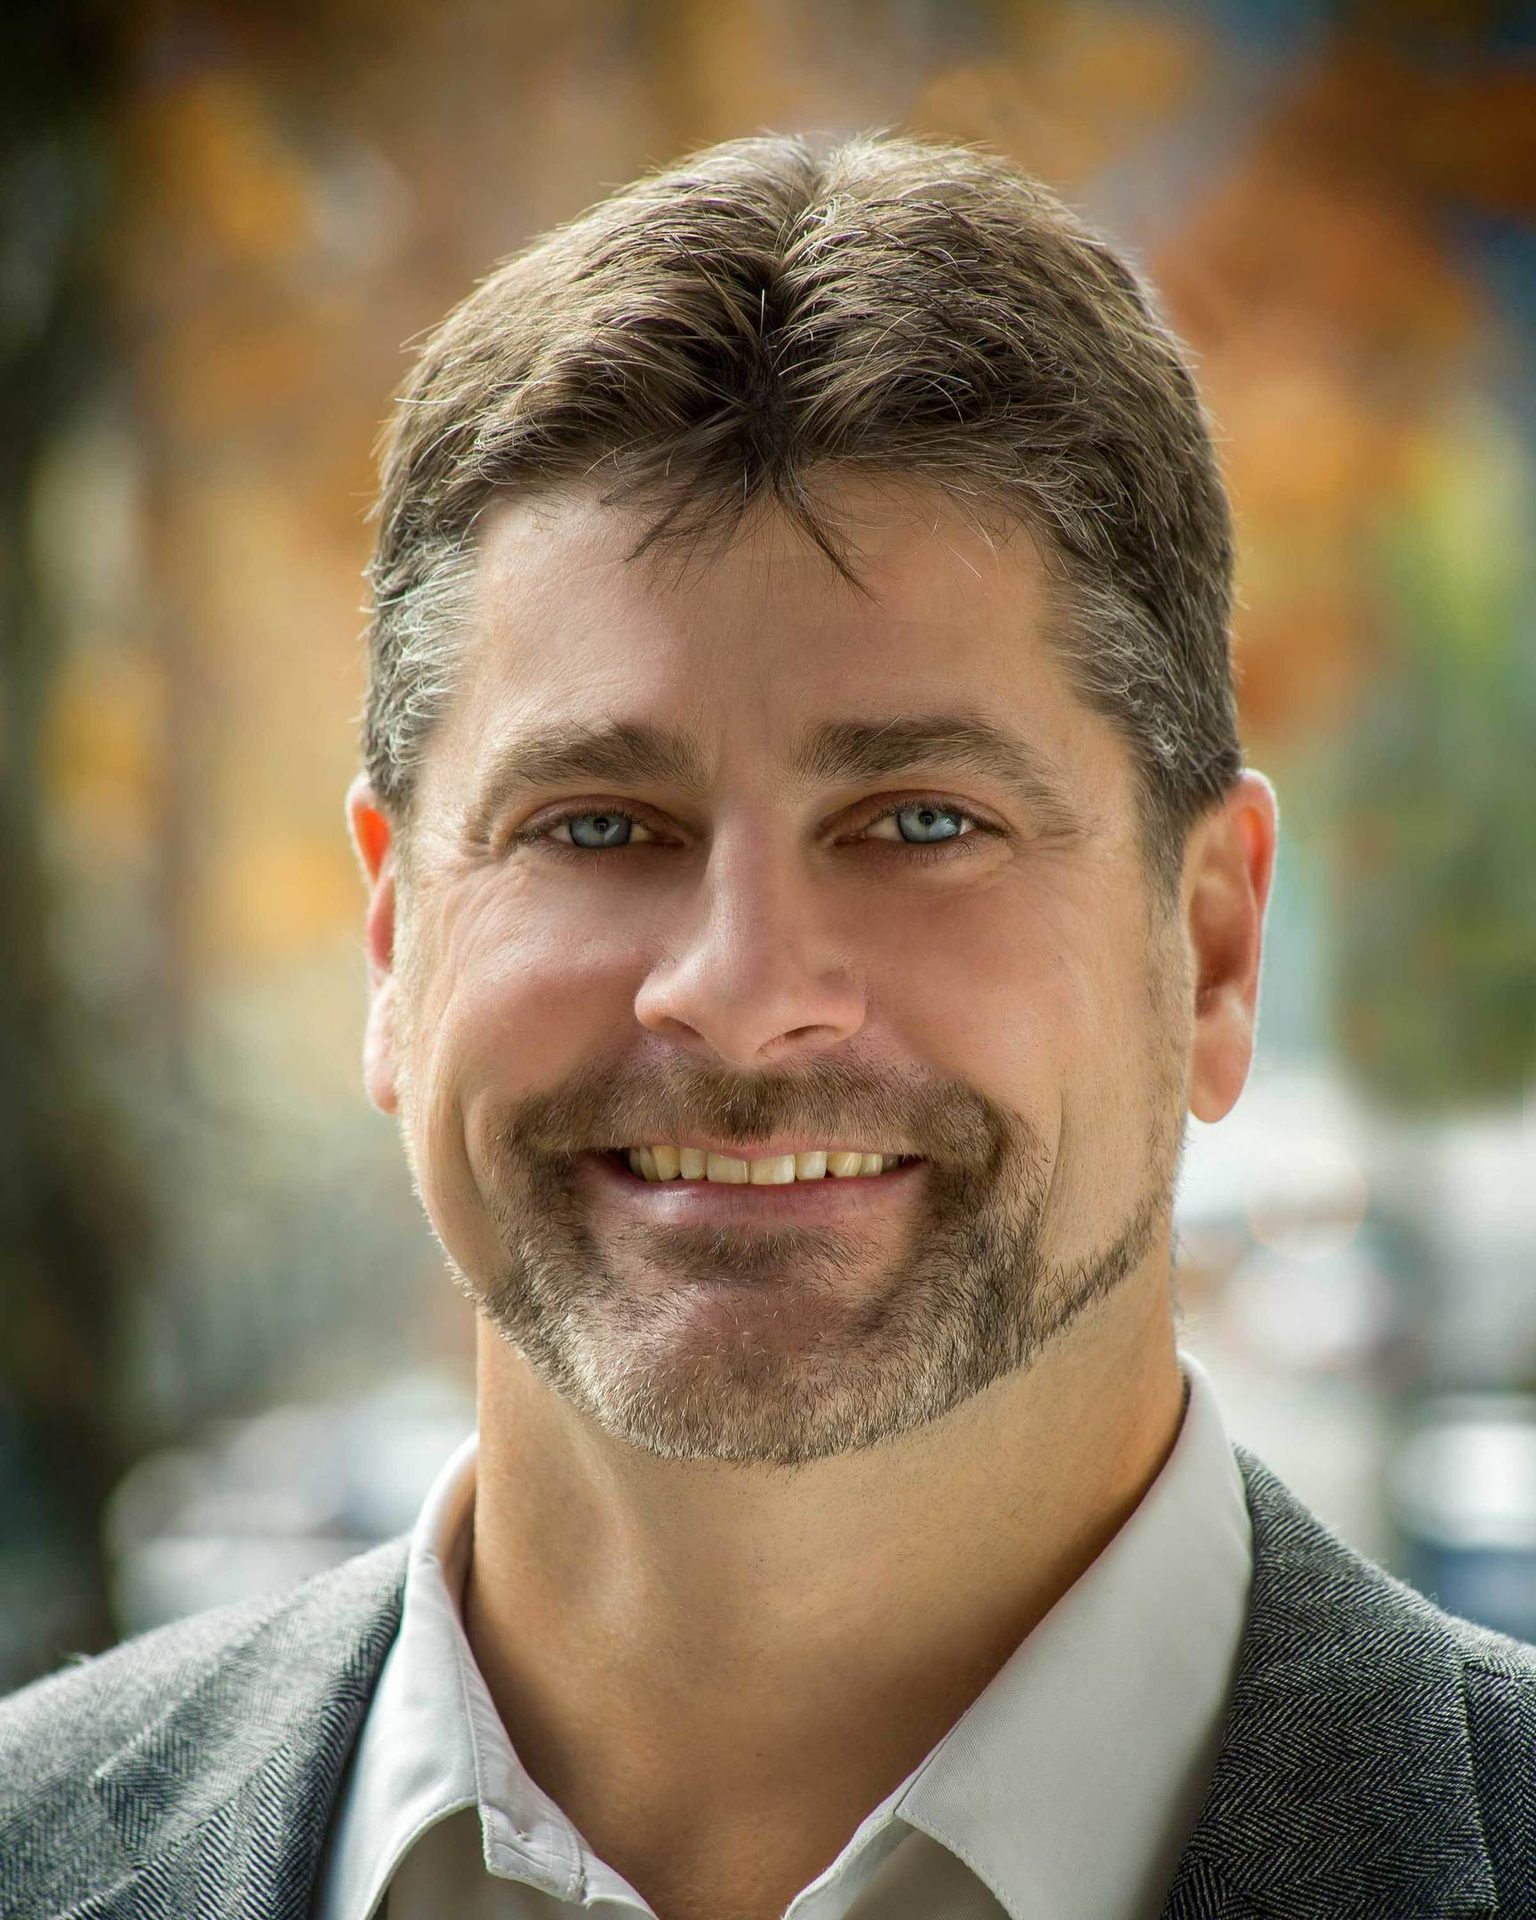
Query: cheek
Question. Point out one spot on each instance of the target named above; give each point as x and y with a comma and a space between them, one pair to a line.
515, 988
1022, 991
1044, 1010
1115, 1098
512, 1004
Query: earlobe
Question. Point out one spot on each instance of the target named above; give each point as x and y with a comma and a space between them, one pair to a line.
1231, 864
379, 1039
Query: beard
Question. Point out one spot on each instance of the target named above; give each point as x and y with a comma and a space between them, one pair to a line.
771, 1344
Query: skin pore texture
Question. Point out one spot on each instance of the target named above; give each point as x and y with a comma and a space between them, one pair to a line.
765, 1497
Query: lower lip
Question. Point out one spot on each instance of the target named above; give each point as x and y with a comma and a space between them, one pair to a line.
718, 1202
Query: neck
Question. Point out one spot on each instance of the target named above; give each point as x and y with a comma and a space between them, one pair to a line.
667, 1641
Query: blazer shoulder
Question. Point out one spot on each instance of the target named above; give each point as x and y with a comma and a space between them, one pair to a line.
1378, 1754
1310, 1578
1499, 1692
87, 1708
1498, 1655
1499, 1686
58, 1731
95, 1701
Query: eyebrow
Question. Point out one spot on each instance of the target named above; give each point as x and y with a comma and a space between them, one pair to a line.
628, 753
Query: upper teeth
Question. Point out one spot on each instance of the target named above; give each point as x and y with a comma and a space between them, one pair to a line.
667, 1162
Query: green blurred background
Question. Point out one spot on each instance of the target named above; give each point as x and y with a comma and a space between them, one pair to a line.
228, 1352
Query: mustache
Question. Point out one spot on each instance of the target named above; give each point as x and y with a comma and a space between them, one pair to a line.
606, 1105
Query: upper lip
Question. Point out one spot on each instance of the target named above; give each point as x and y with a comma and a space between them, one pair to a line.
763, 1150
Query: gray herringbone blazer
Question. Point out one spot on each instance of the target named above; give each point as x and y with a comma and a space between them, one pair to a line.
1379, 1759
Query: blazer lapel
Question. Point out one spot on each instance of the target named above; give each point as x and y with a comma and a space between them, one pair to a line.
223, 1803
1345, 1783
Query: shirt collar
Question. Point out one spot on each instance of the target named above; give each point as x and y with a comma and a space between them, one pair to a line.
433, 1743
1072, 1782
1068, 1786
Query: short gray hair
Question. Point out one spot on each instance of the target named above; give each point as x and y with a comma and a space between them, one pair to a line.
719, 332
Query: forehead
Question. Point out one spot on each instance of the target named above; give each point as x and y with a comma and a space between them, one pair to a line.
753, 647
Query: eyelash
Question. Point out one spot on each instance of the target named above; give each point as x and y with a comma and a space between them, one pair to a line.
940, 850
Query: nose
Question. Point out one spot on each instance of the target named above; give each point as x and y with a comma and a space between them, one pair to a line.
759, 976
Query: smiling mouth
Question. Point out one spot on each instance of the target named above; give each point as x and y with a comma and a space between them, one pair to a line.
684, 1167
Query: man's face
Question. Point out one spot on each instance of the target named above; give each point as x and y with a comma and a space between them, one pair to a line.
776, 953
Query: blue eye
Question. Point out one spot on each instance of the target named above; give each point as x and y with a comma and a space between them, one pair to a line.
926, 817
612, 828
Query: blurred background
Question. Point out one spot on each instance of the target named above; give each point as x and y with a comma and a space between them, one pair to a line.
228, 1351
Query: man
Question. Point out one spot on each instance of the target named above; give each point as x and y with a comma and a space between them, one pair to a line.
812, 875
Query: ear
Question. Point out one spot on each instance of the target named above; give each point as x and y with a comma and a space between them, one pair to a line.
373, 842
1228, 866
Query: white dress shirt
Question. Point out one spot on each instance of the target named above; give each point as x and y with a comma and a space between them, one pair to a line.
1065, 1791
